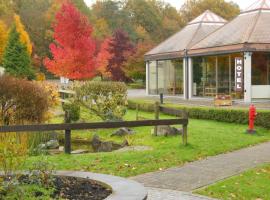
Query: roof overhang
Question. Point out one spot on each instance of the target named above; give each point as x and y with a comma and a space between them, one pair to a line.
234, 48
211, 51
164, 56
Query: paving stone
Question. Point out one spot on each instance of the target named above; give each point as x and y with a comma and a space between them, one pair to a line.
205, 172
164, 194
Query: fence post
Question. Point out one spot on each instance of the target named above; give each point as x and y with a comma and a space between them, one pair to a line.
185, 134
161, 98
137, 112
67, 134
156, 117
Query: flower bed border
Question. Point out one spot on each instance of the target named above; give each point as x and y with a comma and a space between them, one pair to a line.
122, 189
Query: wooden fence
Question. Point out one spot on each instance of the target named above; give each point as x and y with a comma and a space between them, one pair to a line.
97, 125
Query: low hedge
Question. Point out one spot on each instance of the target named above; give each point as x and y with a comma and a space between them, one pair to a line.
223, 115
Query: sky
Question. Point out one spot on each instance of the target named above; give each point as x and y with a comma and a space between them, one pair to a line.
178, 3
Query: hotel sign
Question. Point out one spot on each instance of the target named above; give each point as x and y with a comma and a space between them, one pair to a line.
239, 70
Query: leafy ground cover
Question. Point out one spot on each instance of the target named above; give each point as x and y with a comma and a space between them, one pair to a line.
253, 184
206, 138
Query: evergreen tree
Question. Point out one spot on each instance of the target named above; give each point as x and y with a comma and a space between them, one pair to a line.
16, 60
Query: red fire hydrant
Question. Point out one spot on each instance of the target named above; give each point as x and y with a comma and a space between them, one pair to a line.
252, 117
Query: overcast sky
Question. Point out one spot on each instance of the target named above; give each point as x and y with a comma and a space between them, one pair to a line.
178, 3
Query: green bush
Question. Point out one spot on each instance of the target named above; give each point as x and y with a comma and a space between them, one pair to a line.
73, 110
107, 100
218, 114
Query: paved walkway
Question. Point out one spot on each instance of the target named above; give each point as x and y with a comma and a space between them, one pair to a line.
163, 194
205, 172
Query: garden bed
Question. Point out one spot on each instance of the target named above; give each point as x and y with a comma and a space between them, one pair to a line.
77, 185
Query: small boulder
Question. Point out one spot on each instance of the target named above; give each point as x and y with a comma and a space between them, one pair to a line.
52, 144
105, 146
41, 147
123, 131
168, 131
79, 151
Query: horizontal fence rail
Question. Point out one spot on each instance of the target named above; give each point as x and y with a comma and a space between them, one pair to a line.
95, 125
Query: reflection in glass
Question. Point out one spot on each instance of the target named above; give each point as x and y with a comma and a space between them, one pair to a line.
260, 68
169, 77
215, 75
152, 83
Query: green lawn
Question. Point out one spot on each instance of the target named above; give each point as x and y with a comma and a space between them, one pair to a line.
251, 185
206, 138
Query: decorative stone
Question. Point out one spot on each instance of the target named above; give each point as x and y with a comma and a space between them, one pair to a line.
107, 146
80, 151
42, 146
61, 148
52, 144
123, 131
168, 131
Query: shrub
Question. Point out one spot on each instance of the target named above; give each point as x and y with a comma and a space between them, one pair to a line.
73, 110
107, 100
12, 153
22, 101
223, 115
52, 97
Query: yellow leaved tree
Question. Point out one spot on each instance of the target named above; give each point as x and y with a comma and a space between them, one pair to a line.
3, 39
24, 37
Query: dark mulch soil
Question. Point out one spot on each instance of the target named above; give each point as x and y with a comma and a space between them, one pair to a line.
72, 188
79, 189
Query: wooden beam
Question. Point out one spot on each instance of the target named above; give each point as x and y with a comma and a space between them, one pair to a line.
95, 125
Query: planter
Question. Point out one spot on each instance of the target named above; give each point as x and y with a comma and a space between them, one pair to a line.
122, 189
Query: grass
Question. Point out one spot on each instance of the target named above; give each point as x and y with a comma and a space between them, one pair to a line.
206, 138
251, 185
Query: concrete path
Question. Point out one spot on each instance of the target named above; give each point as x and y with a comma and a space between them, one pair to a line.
201, 102
163, 194
201, 173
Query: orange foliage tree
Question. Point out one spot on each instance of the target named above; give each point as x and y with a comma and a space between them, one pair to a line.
74, 49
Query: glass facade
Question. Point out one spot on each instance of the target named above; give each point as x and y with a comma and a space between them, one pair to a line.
166, 76
152, 83
214, 75
211, 76
260, 68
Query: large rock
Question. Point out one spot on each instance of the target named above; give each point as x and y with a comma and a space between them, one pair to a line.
106, 146
168, 131
123, 132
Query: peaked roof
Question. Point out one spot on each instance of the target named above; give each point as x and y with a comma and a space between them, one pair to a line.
258, 5
249, 31
208, 17
196, 30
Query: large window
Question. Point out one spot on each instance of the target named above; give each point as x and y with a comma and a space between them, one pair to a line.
215, 75
204, 77
166, 76
152, 83
260, 68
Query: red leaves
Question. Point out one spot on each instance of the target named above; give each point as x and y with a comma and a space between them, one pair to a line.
103, 58
74, 49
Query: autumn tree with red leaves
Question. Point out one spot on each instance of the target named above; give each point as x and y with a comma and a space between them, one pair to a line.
120, 48
73, 53
103, 58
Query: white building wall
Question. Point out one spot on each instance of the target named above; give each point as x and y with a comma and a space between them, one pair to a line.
247, 77
185, 78
147, 78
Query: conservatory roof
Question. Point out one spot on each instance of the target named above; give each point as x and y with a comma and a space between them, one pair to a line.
195, 31
249, 31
